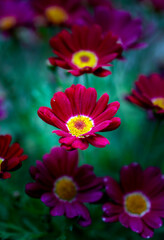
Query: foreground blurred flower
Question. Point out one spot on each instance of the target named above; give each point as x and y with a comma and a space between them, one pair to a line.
149, 94
95, 3
59, 12
15, 13
63, 186
2, 109
10, 156
79, 117
128, 30
137, 200
85, 50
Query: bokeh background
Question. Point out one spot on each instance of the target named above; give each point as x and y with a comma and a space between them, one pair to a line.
28, 82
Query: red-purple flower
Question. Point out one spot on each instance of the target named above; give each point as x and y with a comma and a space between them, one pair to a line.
96, 3
85, 50
63, 186
59, 12
149, 94
137, 201
11, 156
15, 13
119, 22
79, 116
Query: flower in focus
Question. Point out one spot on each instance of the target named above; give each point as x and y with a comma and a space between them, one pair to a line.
85, 50
149, 94
137, 201
79, 117
10, 156
63, 186
2, 109
60, 12
15, 13
119, 22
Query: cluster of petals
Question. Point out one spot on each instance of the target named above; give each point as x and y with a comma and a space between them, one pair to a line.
15, 13
11, 156
63, 186
79, 116
60, 12
128, 30
85, 50
137, 201
149, 94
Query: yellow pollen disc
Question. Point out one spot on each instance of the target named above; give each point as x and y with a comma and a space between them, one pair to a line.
56, 15
7, 22
65, 189
79, 125
158, 102
136, 204
84, 59
1, 160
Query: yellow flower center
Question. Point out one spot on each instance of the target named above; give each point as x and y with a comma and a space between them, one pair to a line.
7, 22
136, 204
159, 102
84, 58
79, 125
56, 15
1, 160
65, 189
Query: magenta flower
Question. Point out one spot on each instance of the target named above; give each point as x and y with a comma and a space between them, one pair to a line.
63, 186
15, 13
137, 201
119, 22
149, 94
79, 116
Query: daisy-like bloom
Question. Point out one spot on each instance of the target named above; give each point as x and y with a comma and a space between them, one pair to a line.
149, 94
128, 30
79, 116
63, 186
11, 156
137, 201
59, 12
85, 50
15, 13
2, 109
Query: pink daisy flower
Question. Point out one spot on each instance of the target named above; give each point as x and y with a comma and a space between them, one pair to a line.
137, 201
79, 116
63, 186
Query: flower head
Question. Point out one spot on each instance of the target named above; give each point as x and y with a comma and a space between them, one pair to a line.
59, 12
149, 94
79, 117
119, 22
85, 50
15, 13
63, 186
11, 156
137, 199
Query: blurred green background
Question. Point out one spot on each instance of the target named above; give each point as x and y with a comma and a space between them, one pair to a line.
27, 82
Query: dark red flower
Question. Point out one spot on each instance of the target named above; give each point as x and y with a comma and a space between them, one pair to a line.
137, 201
149, 94
15, 13
79, 117
59, 12
63, 186
128, 30
10, 156
85, 50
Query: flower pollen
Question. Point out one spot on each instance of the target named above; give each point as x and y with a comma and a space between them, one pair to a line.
136, 204
83, 59
7, 22
159, 102
65, 189
56, 14
79, 125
